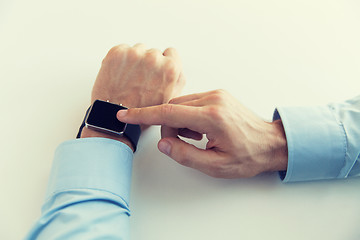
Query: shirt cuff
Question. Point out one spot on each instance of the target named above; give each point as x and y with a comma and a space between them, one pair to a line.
92, 163
316, 143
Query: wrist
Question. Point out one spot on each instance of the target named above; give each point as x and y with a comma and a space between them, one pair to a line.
277, 157
89, 133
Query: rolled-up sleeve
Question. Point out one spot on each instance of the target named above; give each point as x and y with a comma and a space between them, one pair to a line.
323, 142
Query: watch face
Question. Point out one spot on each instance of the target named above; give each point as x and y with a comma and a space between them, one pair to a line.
102, 117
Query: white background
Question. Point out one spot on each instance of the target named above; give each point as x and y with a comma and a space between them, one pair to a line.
266, 53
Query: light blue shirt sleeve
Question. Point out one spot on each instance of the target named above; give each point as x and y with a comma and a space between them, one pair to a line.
323, 142
88, 192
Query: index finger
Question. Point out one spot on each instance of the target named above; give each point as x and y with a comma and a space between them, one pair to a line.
171, 115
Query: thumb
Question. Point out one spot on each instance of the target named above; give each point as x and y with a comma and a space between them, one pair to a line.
186, 154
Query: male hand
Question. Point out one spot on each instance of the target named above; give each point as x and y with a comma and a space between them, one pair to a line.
137, 77
240, 144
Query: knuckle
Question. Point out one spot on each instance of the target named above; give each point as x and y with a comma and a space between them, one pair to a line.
166, 110
139, 45
152, 57
219, 96
216, 98
118, 49
220, 91
112, 50
134, 54
215, 113
115, 52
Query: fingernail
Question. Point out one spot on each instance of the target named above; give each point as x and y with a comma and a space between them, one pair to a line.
165, 147
122, 113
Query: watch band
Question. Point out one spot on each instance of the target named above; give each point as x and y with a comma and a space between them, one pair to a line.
82, 124
132, 131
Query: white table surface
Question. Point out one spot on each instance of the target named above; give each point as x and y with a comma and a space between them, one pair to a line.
266, 53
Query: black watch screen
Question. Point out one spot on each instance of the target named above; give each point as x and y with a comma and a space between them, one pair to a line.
102, 117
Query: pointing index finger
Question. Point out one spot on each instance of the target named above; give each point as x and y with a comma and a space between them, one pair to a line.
171, 115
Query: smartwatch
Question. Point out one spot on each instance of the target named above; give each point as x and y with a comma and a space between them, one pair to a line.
101, 117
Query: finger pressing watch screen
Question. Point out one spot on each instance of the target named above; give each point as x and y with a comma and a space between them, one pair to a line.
102, 117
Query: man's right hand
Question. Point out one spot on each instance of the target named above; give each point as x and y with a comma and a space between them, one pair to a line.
240, 144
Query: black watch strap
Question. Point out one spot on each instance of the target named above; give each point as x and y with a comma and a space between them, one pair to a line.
82, 124
132, 131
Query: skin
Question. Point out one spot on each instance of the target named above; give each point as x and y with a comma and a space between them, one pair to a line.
137, 77
240, 144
